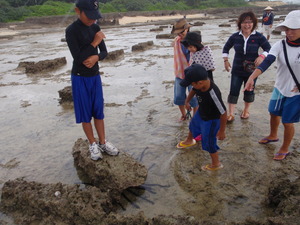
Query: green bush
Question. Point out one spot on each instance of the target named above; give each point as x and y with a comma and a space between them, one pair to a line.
51, 8
107, 8
32, 8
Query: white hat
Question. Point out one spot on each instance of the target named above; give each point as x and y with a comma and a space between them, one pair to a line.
268, 8
292, 21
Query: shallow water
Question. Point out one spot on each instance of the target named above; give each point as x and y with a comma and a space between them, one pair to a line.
37, 133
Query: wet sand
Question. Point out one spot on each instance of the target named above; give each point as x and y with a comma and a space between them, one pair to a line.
37, 133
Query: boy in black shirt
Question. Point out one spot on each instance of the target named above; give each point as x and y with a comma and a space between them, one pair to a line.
84, 38
211, 117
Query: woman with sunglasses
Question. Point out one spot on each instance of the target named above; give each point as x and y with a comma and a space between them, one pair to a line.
181, 61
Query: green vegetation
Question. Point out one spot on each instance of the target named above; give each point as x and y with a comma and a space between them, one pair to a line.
17, 10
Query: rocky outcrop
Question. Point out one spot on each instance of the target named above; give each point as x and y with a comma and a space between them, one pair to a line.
42, 66
35, 203
114, 55
142, 46
112, 172
284, 200
65, 95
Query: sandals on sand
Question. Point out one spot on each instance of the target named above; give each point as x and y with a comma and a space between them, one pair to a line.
209, 167
230, 118
281, 156
267, 140
181, 145
245, 115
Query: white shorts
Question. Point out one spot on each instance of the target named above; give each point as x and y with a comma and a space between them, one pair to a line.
266, 29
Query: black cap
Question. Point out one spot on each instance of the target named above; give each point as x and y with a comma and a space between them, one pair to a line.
193, 38
90, 8
194, 73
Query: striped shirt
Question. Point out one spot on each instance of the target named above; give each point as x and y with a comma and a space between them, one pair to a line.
245, 49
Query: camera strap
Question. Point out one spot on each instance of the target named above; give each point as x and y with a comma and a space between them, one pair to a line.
288, 65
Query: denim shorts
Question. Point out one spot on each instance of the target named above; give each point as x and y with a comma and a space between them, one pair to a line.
208, 130
180, 94
286, 107
235, 89
88, 98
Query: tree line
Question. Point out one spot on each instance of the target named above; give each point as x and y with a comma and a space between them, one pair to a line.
17, 10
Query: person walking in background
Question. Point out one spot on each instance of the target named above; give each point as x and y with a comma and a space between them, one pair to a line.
246, 43
200, 54
285, 99
181, 61
210, 118
84, 38
267, 21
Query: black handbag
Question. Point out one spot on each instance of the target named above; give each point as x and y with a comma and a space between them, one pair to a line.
288, 65
249, 66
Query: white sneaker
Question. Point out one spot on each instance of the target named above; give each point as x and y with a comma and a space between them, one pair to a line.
95, 151
109, 148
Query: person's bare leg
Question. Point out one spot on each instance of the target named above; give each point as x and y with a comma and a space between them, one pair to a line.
274, 124
215, 162
99, 125
195, 110
189, 139
268, 37
230, 115
88, 130
183, 112
289, 131
245, 113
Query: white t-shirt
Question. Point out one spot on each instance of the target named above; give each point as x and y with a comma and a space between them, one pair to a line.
203, 57
284, 81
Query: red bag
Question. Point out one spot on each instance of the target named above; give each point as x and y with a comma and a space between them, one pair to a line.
266, 19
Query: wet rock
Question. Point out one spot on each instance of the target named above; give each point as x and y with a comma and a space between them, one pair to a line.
276, 32
284, 199
32, 202
156, 29
42, 66
225, 25
142, 46
164, 26
35, 203
198, 23
165, 36
65, 95
112, 172
114, 55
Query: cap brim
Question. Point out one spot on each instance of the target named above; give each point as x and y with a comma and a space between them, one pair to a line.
185, 83
92, 14
177, 31
291, 24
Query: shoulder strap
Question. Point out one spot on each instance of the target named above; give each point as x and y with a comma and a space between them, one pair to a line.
288, 65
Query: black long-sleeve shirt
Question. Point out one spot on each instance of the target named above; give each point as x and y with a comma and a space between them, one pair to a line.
79, 38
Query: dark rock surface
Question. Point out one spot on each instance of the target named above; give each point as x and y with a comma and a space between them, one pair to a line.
142, 46
112, 172
114, 55
44, 204
42, 66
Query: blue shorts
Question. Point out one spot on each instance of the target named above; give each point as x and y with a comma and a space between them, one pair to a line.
88, 98
286, 107
180, 94
208, 130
